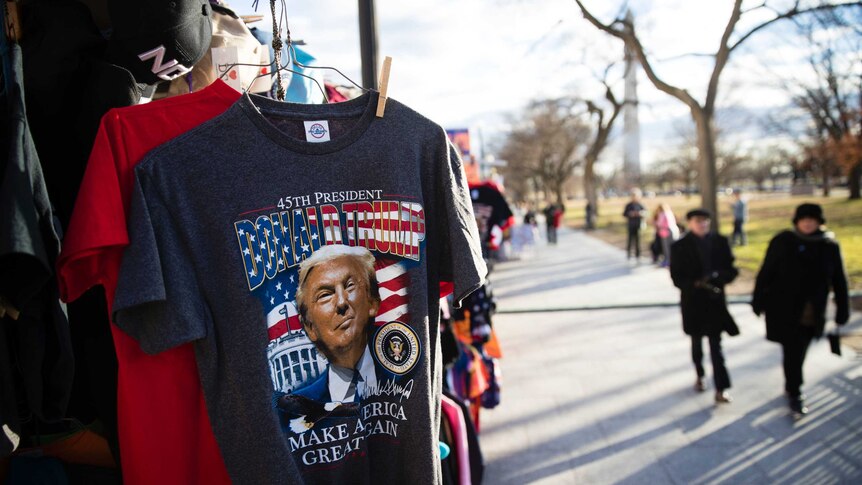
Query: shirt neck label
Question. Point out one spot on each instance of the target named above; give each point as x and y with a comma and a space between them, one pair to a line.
316, 131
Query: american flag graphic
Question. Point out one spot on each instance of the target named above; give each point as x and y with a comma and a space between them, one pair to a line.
393, 280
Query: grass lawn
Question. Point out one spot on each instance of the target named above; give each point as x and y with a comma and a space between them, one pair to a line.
768, 214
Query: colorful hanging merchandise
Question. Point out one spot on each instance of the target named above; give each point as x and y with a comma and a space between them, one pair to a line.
475, 461
300, 249
232, 43
298, 89
73, 76
493, 215
155, 392
476, 377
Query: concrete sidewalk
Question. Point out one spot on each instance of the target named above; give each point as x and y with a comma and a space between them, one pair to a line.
605, 396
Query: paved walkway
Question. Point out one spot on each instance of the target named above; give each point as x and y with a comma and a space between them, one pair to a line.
605, 395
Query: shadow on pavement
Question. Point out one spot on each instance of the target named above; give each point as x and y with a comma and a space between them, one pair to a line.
765, 445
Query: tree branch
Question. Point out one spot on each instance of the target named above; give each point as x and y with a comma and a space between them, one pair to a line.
721, 57
633, 43
792, 13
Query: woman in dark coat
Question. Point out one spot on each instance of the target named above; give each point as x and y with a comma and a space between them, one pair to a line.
792, 288
701, 264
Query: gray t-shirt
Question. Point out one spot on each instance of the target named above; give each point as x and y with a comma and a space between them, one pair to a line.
222, 217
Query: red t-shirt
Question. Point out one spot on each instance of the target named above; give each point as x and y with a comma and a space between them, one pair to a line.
165, 433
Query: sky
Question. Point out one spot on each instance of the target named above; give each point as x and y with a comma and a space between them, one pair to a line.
477, 63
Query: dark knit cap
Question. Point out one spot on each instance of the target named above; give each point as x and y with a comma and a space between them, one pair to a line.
698, 213
814, 211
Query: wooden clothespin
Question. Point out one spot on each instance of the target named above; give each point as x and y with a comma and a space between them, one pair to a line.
384, 85
250, 19
13, 21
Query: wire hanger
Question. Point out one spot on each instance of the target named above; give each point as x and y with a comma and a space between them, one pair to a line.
291, 49
278, 45
274, 66
224, 69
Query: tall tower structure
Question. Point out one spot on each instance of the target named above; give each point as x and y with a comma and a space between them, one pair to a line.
631, 126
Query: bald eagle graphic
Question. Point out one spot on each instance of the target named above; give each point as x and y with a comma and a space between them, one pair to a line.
302, 414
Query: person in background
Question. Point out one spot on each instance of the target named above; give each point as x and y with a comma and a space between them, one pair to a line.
524, 236
530, 217
590, 213
666, 230
740, 217
531, 230
792, 288
558, 218
552, 221
634, 213
700, 266
655, 245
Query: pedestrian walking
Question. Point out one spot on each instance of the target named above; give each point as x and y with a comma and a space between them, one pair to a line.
667, 231
634, 213
701, 265
655, 246
792, 288
590, 214
553, 217
740, 217
524, 236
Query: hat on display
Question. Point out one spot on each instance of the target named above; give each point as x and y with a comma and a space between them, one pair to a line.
159, 40
808, 210
698, 213
229, 33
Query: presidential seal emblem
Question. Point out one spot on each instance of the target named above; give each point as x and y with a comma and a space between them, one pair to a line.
396, 348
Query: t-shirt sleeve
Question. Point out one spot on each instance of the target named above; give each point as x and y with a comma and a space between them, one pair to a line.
158, 301
28, 242
462, 263
97, 231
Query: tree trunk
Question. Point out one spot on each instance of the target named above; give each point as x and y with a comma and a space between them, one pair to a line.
536, 188
853, 179
558, 191
706, 157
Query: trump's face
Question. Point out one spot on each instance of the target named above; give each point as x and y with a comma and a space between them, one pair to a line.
339, 309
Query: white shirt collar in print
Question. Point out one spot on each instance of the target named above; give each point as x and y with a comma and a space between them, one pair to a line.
340, 377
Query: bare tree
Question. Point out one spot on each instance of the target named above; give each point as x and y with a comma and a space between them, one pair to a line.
703, 112
544, 147
833, 100
730, 166
603, 127
770, 162
682, 164
680, 168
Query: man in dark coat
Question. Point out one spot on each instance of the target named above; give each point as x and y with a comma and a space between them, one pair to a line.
701, 264
634, 212
793, 287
